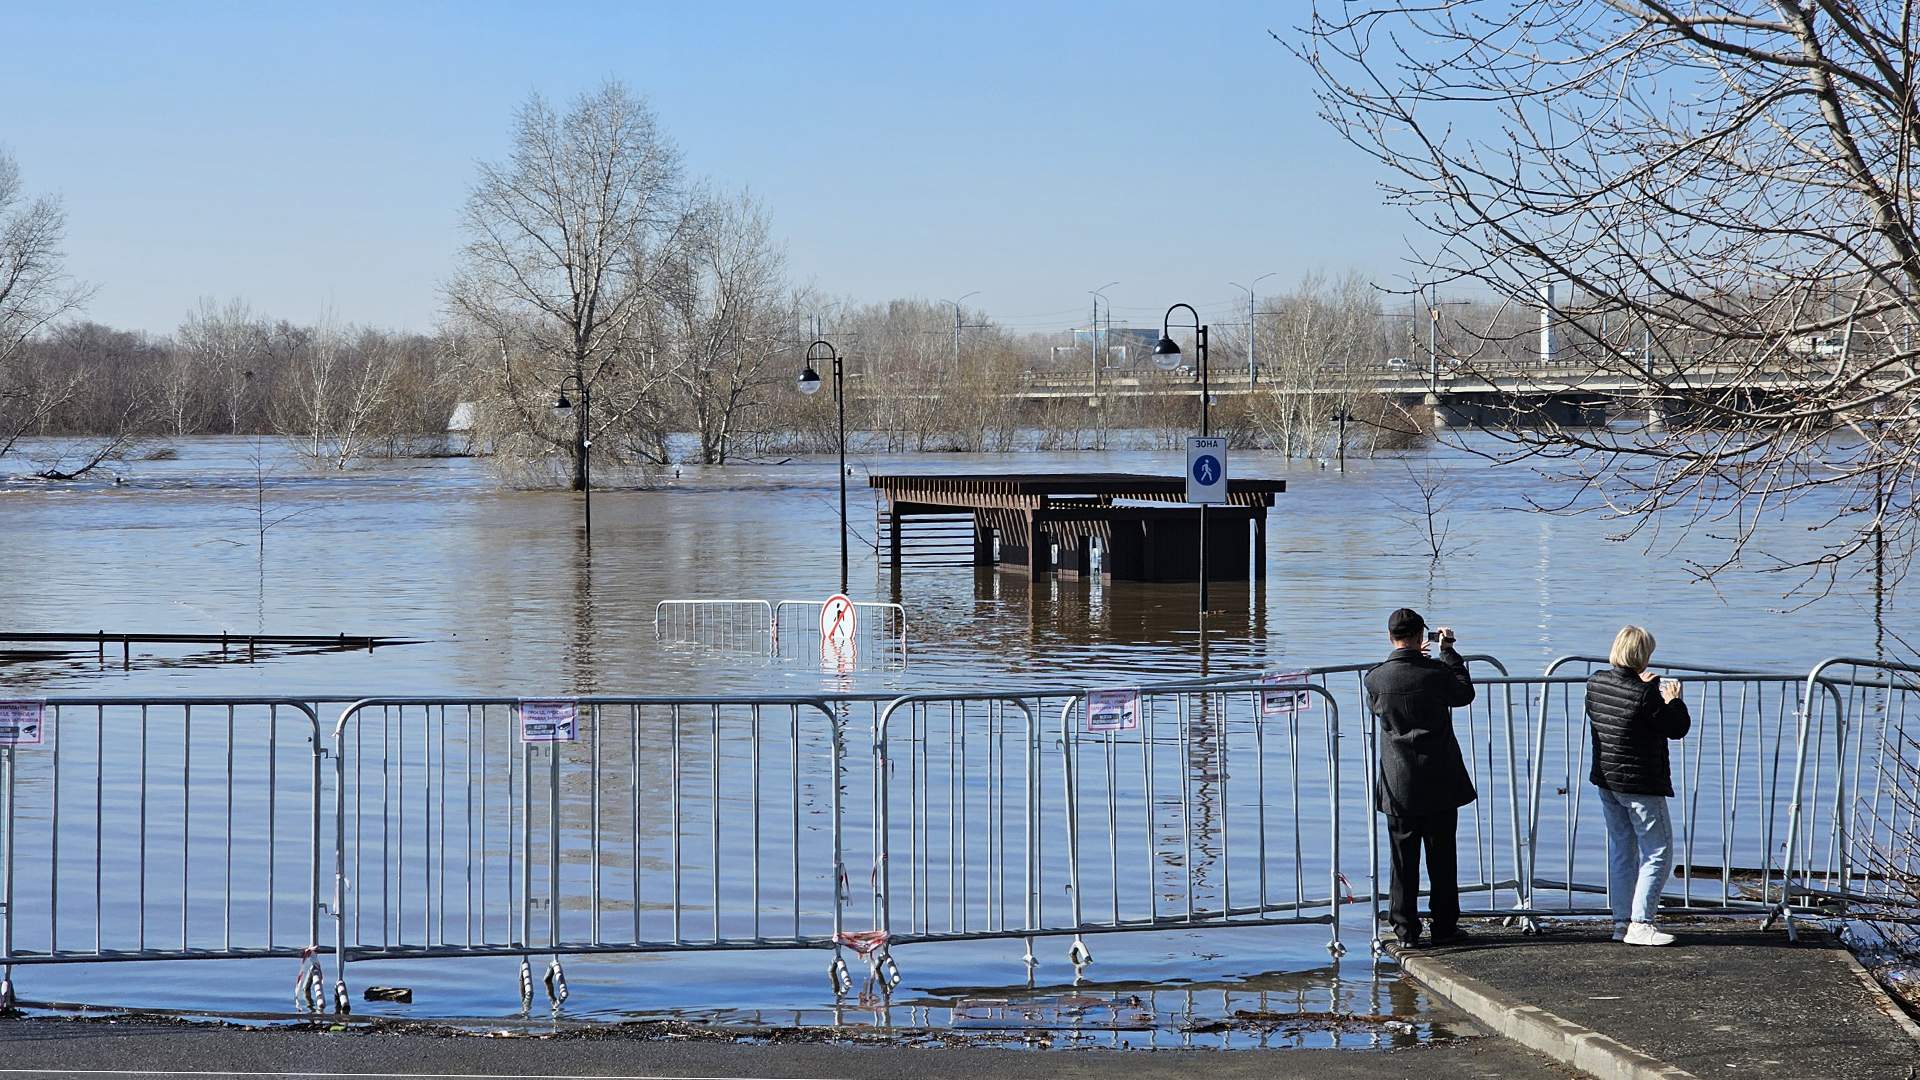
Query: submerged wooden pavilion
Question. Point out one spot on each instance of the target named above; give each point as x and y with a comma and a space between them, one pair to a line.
1053, 522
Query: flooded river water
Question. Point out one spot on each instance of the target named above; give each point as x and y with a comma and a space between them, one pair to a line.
498, 589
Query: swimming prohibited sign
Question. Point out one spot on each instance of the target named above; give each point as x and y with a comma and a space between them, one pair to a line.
839, 633
22, 723
1206, 470
1113, 710
1286, 693
554, 720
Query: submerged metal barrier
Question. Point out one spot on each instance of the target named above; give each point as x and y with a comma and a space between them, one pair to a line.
877, 639
156, 829
159, 829
874, 635
732, 627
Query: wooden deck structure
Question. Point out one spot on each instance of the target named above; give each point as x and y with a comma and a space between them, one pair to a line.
1051, 523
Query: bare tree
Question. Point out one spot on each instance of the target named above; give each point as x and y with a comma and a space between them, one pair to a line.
724, 313
225, 346
556, 275
1424, 510
35, 291
1721, 196
336, 392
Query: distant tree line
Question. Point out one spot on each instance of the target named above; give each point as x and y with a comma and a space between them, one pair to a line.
595, 269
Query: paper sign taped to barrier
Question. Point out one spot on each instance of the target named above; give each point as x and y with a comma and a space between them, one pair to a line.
1288, 693
22, 723
552, 721
1113, 710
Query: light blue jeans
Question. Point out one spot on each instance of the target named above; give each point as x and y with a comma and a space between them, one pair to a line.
1639, 853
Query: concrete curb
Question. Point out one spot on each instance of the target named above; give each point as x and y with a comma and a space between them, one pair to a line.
1880, 995
1537, 1029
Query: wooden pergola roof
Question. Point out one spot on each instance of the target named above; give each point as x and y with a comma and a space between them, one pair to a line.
1038, 491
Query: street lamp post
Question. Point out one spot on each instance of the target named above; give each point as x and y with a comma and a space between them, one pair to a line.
1253, 352
1093, 333
810, 384
956, 324
581, 442
1167, 355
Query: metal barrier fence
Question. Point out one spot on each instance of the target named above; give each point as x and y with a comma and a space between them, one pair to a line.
1732, 805
732, 627
1858, 822
788, 631
878, 640
654, 824
150, 829
156, 829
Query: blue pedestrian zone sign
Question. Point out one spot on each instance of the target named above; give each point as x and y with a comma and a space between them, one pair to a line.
1206, 470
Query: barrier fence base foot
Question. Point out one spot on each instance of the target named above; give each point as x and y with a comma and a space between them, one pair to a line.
6, 995
1336, 948
556, 981
838, 977
342, 1004
526, 984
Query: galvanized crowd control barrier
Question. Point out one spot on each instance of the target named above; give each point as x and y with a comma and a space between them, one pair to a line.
439, 827
785, 631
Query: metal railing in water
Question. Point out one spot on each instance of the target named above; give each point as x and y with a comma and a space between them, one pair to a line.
785, 631
665, 824
157, 829
729, 627
160, 829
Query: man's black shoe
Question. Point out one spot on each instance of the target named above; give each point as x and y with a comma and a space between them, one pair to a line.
1408, 942
1455, 936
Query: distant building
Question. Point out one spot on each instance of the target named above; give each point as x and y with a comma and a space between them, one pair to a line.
1126, 346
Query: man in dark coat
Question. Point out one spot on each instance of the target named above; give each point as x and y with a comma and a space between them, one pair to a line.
1423, 779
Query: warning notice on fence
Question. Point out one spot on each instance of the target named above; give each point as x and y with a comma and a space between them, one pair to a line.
22, 723
549, 721
1113, 710
1285, 692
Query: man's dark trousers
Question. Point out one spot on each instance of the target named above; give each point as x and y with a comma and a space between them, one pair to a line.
1406, 836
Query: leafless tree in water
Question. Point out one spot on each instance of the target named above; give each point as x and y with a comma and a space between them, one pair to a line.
1424, 510
563, 241
1723, 196
724, 314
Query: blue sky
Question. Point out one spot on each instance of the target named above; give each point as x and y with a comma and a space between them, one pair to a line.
314, 158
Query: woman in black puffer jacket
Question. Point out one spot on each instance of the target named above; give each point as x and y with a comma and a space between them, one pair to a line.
1632, 714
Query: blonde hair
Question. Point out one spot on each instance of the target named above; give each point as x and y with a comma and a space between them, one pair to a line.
1632, 649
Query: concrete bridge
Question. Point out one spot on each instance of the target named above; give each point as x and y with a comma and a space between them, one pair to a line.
1463, 394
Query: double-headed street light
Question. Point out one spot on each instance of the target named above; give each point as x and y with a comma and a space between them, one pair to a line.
563, 408
1166, 354
809, 383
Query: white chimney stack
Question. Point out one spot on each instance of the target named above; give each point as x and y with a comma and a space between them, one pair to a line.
1546, 323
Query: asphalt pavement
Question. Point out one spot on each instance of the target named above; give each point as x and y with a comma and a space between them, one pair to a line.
43, 1049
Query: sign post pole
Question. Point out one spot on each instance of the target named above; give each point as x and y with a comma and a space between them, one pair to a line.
1206, 483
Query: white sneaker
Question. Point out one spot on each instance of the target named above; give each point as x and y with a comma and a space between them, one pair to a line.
1619, 931
1641, 933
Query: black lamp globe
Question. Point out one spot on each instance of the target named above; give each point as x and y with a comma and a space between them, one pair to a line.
809, 381
1166, 353
563, 406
